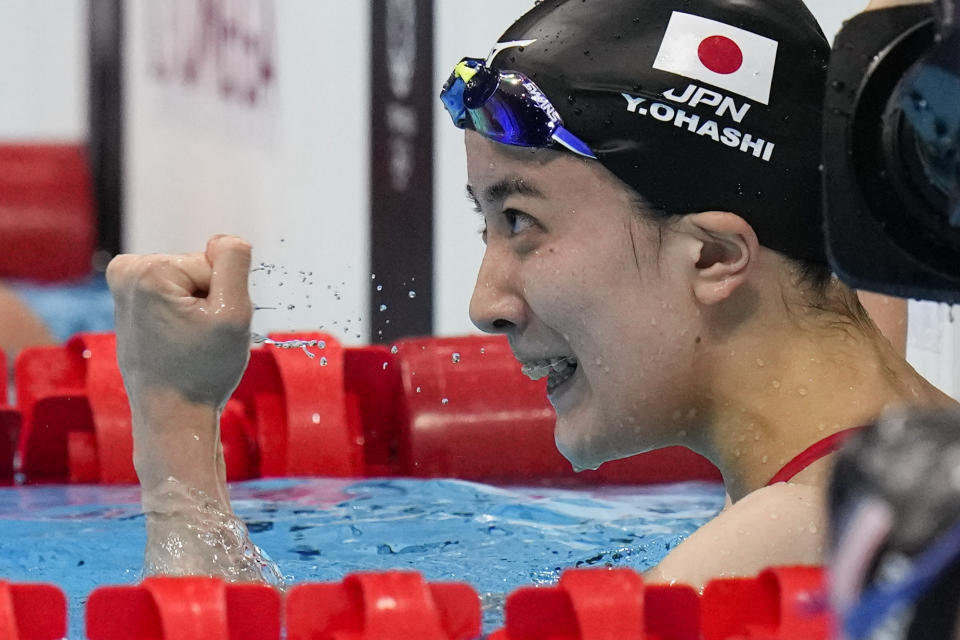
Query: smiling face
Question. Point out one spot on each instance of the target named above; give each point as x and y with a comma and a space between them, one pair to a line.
579, 284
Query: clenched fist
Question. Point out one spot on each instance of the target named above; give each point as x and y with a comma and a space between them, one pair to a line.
183, 321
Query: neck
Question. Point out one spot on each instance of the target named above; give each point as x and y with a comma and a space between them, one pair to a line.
774, 392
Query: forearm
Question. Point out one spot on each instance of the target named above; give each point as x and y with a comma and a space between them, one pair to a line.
191, 528
179, 439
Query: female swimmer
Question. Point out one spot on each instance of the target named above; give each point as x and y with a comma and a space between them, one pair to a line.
648, 177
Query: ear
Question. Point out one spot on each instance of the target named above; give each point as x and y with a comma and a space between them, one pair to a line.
728, 247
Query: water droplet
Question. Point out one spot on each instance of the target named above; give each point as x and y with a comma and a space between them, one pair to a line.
315, 418
394, 349
776, 384
383, 308
802, 391
760, 362
373, 276
385, 365
482, 350
455, 358
411, 294
323, 361
87, 354
291, 307
764, 459
418, 389
445, 401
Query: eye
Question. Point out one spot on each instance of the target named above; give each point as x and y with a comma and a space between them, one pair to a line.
518, 221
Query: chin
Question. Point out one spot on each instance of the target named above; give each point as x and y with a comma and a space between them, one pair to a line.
579, 448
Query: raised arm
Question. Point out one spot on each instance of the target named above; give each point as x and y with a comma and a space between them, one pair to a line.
183, 336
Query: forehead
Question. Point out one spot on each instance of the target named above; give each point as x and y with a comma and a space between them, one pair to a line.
555, 174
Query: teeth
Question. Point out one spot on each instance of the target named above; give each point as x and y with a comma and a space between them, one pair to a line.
544, 368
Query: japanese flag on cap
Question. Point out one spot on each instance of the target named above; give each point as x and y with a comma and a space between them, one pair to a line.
725, 56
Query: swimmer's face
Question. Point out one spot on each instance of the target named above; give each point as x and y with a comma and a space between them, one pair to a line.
571, 274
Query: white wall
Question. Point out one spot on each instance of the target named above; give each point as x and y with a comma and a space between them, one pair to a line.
289, 172
43, 76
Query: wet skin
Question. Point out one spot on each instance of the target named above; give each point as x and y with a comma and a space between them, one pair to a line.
689, 333
570, 269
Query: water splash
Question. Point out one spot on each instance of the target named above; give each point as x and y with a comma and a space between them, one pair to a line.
305, 345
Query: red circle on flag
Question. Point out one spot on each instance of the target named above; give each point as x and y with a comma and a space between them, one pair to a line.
720, 54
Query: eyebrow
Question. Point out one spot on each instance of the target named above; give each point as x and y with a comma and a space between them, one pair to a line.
503, 189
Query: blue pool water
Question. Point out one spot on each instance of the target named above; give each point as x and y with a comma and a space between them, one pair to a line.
495, 538
69, 308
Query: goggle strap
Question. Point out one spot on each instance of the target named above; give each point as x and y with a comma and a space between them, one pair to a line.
566, 139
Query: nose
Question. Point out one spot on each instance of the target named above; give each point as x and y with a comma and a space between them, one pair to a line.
498, 304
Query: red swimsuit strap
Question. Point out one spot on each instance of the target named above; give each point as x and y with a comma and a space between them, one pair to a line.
819, 449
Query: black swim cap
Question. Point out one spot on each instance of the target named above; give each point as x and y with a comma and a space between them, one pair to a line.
698, 105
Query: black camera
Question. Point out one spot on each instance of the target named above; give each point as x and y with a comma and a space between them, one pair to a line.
891, 153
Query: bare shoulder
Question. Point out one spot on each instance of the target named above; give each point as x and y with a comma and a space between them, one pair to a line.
779, 525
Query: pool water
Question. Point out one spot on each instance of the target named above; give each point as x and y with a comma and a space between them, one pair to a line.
495, 538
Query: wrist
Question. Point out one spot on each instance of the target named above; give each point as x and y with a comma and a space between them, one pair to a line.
176, 438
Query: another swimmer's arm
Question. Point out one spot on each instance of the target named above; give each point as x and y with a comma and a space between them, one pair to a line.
778, 525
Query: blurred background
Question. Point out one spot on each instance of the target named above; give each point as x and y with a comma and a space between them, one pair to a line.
309, 126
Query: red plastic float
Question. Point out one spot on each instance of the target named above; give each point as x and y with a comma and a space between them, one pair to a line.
299, 408
782, 603
470, 413
394, 605
51, 397
9, 429
601, 604
46, 212
32, 612
164, 608
450, 407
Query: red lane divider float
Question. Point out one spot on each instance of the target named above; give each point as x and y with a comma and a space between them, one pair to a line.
602, 604
47, 223
453, 407
164, 608
395, 605
32, 612
298, 406
470, 413
9, 429
782, 603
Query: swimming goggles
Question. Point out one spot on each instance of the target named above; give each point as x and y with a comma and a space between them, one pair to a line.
505, 106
